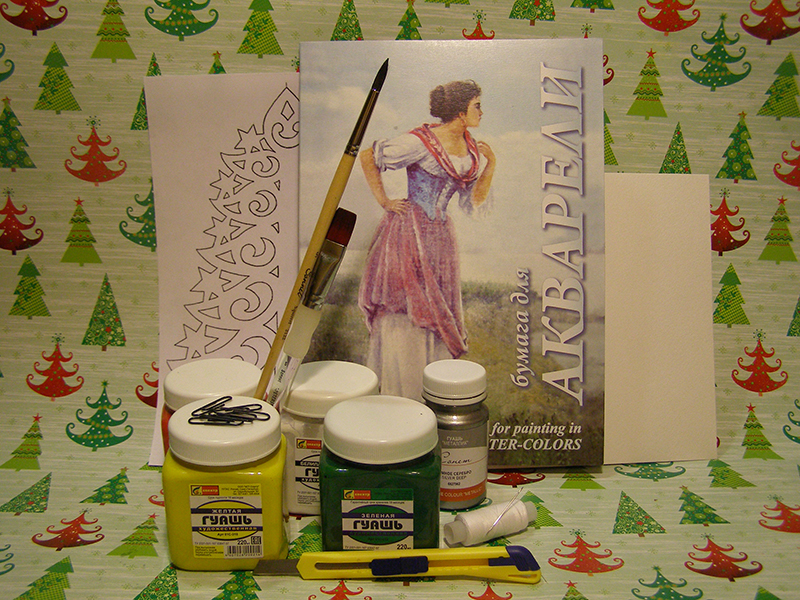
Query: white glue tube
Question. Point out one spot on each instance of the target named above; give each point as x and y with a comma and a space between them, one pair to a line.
493, 521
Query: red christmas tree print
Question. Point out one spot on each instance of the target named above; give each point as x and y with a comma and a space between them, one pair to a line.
787, 515
773, 26
759, 379
669, 18
490, 594
95, 169
477, 33
791, 178
55, 386
515, 478
33, 16
11, 228
340, 592
152, 399
722, 228
157, 499
720, 564
70, 536
585, 560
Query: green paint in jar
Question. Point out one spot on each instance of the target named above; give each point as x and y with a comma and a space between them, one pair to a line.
379, 475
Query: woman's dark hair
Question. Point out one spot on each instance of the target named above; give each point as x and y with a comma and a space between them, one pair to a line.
451, 99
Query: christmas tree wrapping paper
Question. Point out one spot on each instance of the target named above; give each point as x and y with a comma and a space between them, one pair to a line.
701, 87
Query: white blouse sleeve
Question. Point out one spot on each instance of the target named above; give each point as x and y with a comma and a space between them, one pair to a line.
399, 152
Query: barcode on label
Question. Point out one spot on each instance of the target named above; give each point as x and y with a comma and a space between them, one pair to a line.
244, 550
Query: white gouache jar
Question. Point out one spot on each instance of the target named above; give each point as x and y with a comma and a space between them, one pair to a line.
317, 387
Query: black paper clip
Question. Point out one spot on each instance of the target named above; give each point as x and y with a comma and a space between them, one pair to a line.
216, 413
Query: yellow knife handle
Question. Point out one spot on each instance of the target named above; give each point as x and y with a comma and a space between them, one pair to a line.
500, 563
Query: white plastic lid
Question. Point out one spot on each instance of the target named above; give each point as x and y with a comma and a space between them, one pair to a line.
380, 430
207, 378
454, 382
224, 445
320, 385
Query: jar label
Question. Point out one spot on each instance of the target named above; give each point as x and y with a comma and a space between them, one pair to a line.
227, 520
380, 519
306, 470
465, 458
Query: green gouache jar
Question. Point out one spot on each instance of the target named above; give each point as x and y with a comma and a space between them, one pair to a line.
379, 475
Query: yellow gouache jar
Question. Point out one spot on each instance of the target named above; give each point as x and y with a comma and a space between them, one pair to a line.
223, 487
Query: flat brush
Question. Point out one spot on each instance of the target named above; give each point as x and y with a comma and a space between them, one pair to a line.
329, 206
309, 310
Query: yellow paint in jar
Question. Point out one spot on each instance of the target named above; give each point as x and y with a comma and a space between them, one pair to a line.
223, 487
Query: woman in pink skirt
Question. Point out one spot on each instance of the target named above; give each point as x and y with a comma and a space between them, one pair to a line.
411, 289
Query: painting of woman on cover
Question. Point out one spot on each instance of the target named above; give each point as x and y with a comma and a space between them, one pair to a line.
410, 291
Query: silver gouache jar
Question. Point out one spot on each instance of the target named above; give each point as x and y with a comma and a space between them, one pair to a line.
455, 390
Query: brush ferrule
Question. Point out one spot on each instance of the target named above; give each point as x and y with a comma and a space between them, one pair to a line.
323, 273
361, 125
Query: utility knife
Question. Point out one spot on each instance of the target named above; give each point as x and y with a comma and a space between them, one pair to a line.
501, 563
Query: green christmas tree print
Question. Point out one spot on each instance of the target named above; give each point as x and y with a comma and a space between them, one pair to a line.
309, 540
146, 236
779, 237
7, 63
26, 456
5, 561
32, 500
580, 480
676, 159
533, 10
56, 86
648, 93
141, 542
12, 144
724, 476
738, 154
666, 589
729, 300
794, 326
112, 492
163, 587
112, 34
764, 594
608, 141
105, 326
409, 24
756, 443
80, 239
793, 421
140, 122
447, 3
653, 471
697, 512
217, 68
29, 293
348, 27
715, 73
593, 5
632, 518
544, 516
181, 20
99, 434
260, 28
573, 593
782, 94
52, 584
241, 586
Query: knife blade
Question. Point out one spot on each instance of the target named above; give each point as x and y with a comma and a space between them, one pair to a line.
501, 563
